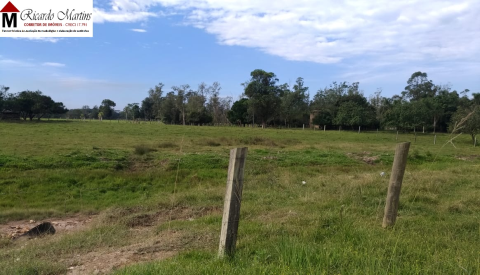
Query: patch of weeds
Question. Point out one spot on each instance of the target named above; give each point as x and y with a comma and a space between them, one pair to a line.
5, 242
167, 144
31, 267
212, 143
429, 154
258, 141
143, 149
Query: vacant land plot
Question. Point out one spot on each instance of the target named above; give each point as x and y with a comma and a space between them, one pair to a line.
147, 199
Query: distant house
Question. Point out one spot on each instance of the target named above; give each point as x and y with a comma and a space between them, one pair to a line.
9, 115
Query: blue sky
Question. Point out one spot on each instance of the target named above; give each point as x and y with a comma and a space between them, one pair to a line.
137, 44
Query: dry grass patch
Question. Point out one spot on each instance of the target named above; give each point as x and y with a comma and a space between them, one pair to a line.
364, 156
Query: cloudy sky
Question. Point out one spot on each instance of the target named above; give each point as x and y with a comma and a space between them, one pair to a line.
137, 44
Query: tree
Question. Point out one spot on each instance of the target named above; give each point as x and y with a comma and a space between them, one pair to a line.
239, 112
351, 113
126, 111
94, 113
295, 103
58, 108
170, 112
155, 99
181, 98
214, 103
133, 110
471, 121
86, 111
323, 117
398, 115
24, 103
327, 100
195, 105
31, 104
147, 108
381, 105
107, 108
264, 95
43, 106
420, 87
3, 96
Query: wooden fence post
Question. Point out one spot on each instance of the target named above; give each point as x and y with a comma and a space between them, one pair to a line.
359, 129
233, 199
324, 126
396, 178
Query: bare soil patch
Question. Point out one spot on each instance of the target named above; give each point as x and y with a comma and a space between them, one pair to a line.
15, 228
145, 242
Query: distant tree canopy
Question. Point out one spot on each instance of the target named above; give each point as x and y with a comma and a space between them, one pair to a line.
239, 112
421, 105
264, 96
107, 108
29, 104
184, 105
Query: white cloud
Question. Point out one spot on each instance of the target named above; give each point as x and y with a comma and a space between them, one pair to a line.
10, 63
7, 63
138, 30
100, 16
40, 39
53, 64
332, 31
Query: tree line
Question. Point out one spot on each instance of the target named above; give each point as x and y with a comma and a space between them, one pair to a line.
421, 105
180, 105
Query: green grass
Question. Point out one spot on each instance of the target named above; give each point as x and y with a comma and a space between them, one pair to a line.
330, 225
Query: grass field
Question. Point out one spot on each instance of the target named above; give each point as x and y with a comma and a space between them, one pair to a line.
171, 180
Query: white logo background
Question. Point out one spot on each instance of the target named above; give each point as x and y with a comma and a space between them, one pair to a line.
49, 18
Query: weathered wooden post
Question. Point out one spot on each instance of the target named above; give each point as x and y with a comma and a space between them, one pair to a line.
359, 129
233, 199
303, 126
324, 126
435, 140
415, 137
395, 185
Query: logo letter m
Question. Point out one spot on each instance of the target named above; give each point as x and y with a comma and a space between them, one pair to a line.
8, 21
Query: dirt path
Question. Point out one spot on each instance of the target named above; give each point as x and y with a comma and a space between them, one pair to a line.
145, 243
